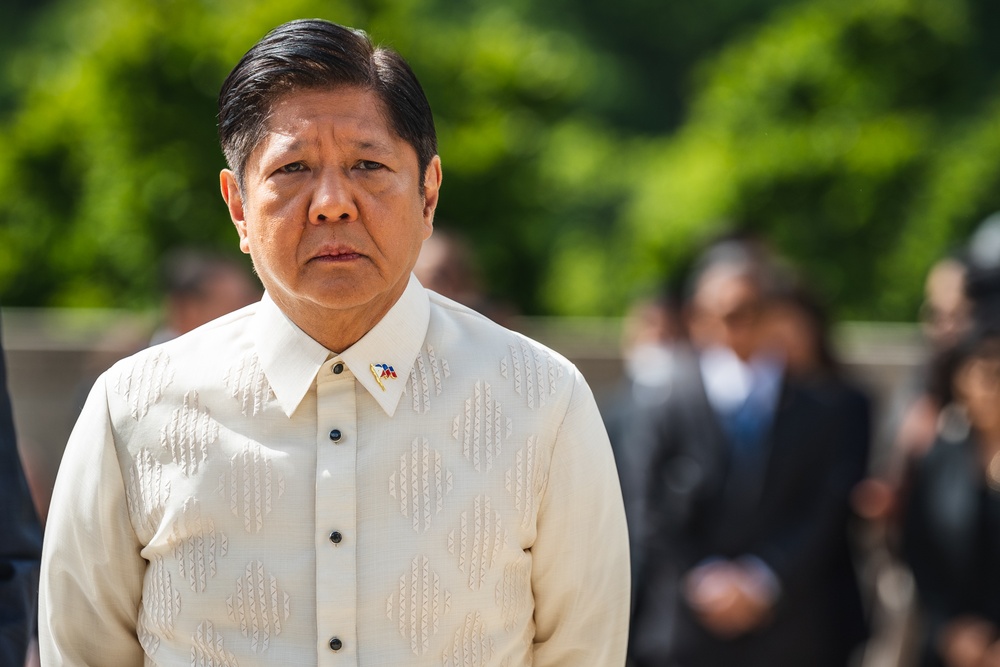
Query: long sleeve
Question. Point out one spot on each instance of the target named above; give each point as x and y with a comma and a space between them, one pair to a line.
92, 571
20, 542
580, 560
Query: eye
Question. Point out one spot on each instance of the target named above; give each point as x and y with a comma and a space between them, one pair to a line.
292, 168
368, 165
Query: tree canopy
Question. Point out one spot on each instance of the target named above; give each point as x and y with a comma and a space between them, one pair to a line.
587, 152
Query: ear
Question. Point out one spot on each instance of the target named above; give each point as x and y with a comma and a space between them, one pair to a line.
432, 188
234, 201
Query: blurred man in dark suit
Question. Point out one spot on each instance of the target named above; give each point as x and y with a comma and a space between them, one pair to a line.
745, 506
20, 542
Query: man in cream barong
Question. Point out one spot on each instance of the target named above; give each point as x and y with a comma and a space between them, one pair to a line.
354, 471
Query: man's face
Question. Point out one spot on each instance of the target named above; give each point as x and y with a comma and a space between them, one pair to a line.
946, 312
725, 312
332, 211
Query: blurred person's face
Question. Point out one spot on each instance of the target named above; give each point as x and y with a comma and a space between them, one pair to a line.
440, 268
648, 323
725, 312
226, 292
333, 212
946, 313
978, 385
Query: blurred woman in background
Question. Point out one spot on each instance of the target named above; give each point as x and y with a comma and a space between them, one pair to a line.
951, 526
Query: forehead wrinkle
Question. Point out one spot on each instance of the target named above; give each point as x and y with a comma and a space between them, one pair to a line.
288, 140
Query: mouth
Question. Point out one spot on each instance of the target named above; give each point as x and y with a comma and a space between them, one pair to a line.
336, 254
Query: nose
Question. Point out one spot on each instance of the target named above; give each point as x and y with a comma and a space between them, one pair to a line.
333, 198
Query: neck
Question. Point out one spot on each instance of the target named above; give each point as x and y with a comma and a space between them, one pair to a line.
336, 329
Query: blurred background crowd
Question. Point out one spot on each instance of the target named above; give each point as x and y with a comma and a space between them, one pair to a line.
762, 229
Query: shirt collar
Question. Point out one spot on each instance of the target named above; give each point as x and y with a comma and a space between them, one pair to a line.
393, 343
381, 361
730, 382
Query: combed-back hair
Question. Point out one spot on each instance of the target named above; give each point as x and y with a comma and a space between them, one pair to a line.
311, 54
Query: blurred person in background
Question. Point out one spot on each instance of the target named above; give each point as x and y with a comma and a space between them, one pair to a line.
20, 542
200, 286
796, 326
446, 265
951, 511
745, 509
961, 291
918, 407
951, 524
946, 316
651, 329
922, 411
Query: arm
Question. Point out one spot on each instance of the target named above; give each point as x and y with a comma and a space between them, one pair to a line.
580, 559
20, 542
92, 572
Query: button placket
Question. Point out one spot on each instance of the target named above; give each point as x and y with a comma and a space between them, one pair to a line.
336, 512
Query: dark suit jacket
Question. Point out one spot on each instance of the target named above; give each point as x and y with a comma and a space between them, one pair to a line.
792, 514
20, 542
951, 539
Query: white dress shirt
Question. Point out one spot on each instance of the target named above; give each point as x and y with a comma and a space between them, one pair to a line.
441, 493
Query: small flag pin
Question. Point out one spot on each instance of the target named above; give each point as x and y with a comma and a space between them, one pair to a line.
383, 372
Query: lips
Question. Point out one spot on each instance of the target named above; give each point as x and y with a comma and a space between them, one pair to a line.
336, 254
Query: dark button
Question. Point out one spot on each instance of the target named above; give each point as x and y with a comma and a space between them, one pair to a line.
336, 644
336, 435
337, 370
336, 537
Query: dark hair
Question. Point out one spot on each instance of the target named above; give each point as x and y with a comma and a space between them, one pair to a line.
316, 54
801, 299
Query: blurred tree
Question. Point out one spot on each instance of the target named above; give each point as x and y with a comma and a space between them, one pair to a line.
111, 156
857, 136
653, 48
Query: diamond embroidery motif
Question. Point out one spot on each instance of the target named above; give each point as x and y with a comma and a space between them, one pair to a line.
188, 434
472, 646
418, 604
161, 603
482, 427
427, 370
420, 484
147, 491
534, 373
207, 648
252, 486
479, 542
197, 546
149, 642
142, 385
520, 481
248, 385
512, 591
259, 606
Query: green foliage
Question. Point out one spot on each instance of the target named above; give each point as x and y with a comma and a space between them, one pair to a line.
111, 156
585, 154
845, 132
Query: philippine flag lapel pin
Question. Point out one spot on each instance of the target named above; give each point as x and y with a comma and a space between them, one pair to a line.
383, 372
